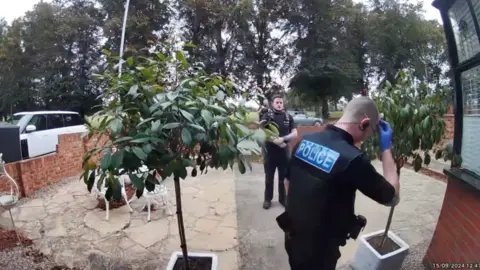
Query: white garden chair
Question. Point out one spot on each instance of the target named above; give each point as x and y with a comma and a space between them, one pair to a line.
100, 194
159, 193
10, 198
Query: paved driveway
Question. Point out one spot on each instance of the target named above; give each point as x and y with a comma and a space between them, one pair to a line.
261, 241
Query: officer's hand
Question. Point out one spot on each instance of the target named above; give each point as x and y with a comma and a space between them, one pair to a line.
279, 140
385, 133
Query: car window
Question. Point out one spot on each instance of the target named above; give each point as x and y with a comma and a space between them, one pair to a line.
54, 121
72, 120
39, 121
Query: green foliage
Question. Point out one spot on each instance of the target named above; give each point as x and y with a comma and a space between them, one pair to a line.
415, 114
166, 115
447, 153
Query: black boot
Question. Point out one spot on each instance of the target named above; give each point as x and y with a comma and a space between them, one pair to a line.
267, 204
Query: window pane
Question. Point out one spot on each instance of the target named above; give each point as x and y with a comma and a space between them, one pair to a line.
39, 121
54, 121
465, 35
72, 120
471, 119
471, 92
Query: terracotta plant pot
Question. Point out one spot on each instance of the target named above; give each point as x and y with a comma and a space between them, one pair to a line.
117, 203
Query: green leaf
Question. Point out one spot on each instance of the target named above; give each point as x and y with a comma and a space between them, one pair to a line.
207, 116
186, 136
171, 125
116, 188
109, 193
133, 91
141, 140
241, 166
426, 159
116, 125
187, 115
220, 96
181, 172
194, 172
155, 126
105, 160
198, 127
199, 137
117, 159
188, 162
147, 148
217, 108
91, 181
136, 181
172, 95
139, 153
203, 100
145, 121
130, 61
245, 130
181, 57
123, 139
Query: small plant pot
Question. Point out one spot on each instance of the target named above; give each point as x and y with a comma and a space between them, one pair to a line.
369, 256
198, 261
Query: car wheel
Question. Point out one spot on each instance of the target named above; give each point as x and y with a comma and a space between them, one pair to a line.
317, 123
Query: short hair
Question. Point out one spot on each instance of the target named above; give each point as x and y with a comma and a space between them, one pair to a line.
274, 96
360, 108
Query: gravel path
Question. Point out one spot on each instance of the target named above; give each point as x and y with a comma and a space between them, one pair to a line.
15, 259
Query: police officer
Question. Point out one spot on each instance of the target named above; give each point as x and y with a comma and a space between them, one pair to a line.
276, 152
325, 171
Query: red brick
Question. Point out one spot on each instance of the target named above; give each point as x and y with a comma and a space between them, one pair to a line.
457, 234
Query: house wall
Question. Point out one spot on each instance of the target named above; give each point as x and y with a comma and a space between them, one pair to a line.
457, 235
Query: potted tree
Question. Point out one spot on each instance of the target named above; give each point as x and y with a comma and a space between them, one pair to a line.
415, 112
173, 119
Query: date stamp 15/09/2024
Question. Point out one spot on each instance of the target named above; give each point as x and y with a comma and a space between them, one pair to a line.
455, 265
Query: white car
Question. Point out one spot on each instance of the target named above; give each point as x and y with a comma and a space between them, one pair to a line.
39, 130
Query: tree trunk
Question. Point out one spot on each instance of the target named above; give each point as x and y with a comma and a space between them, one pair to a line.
325, 108
389, 220
181, 226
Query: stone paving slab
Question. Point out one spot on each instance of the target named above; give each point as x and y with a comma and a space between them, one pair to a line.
65, 224
261, 241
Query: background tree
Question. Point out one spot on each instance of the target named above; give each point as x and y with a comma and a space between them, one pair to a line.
147, 23
415, 113
327, 64
400, 38
262, 44
212, 27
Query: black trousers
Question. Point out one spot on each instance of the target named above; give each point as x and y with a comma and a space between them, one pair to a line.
324, 256
275, 158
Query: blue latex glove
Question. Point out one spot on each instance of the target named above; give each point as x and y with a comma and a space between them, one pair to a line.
385, 133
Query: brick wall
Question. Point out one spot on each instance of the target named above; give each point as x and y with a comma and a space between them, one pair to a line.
449, 126
34, 174
457, 236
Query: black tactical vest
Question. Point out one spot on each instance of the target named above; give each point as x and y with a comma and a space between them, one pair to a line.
320, 198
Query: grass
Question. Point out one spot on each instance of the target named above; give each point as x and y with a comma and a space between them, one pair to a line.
336, 115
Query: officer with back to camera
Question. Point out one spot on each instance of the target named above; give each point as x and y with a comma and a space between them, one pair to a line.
324, 173
276, 152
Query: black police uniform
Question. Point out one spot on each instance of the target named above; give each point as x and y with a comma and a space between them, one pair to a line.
276, 157
324, 173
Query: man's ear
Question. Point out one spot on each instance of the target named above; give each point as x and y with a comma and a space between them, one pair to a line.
364, 124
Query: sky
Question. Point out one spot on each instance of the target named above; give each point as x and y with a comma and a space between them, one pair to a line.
13, 9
